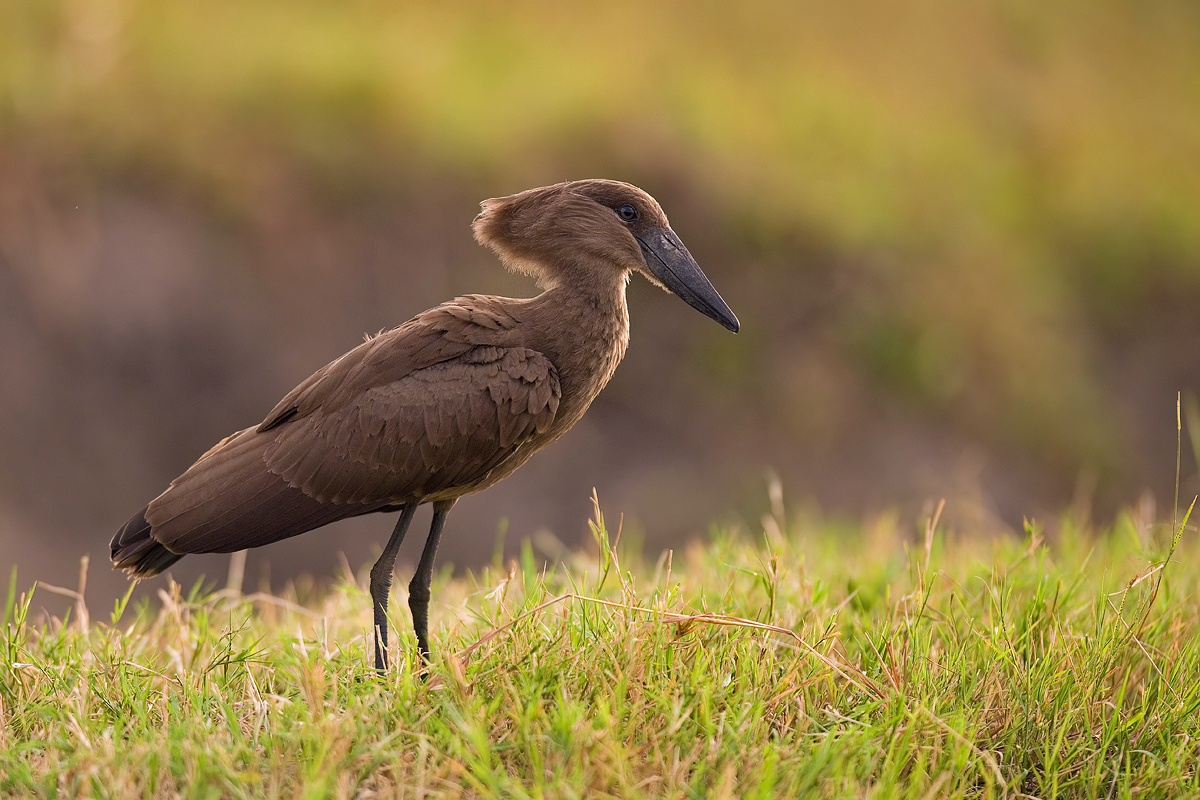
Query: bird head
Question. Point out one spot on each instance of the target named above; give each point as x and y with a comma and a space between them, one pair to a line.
568, 230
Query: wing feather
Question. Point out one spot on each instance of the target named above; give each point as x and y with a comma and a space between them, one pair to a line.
437, 335
435, 405
230, 501
444, 425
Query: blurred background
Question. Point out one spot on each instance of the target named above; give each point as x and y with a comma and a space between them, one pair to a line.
963, 240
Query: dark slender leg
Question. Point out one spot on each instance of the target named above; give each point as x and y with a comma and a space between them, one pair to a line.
381, 583
418, 588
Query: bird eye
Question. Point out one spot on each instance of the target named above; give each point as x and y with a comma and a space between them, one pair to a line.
628, 212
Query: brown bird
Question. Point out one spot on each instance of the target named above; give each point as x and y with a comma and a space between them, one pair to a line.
447, 404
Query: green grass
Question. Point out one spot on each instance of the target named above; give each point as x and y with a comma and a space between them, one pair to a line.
805, 657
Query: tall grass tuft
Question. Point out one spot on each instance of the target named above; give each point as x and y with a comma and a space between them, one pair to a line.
804, 658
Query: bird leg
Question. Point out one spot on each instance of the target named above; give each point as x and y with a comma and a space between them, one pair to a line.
381, 583
418, 588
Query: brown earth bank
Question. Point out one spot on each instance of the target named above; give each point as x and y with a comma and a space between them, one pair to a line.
143, 318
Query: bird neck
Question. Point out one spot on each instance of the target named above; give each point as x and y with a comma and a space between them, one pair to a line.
586, 331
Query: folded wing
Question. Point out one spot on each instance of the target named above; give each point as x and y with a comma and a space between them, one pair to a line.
372, 430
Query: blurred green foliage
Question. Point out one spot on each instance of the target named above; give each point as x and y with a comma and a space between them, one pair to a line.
1007, 175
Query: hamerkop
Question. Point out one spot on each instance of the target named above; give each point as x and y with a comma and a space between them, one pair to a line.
449, 403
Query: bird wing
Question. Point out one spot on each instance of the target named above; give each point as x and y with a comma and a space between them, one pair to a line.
441, 427
430, 405
229, 500
437, 335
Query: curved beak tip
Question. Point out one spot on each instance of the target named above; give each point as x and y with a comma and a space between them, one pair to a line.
670, 262
722, 314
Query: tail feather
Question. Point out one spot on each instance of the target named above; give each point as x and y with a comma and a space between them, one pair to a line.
137, 552
228, 500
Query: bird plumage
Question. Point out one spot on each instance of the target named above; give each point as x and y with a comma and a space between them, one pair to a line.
446, 404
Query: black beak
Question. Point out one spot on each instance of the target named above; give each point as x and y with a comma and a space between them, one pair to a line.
670, 262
